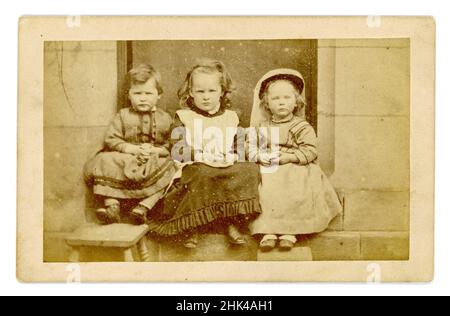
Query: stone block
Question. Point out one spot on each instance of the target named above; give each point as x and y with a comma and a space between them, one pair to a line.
377, 211
378, 83
329, 246
385, 246
80, 83
66, 150
211, 247
56, 248
296, 254
372, 153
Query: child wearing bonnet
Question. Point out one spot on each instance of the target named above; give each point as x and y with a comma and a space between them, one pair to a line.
296, 196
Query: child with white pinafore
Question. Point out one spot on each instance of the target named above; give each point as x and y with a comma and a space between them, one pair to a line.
216, 190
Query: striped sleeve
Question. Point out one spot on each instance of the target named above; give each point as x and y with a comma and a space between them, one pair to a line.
306, 141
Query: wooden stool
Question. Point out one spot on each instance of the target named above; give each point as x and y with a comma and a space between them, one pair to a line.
116, 242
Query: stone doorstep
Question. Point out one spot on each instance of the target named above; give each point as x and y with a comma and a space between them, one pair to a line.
55, 247
215, 247
296, 254
385, 246
211, 247
91, 240
327, 246
374, 210
330, 246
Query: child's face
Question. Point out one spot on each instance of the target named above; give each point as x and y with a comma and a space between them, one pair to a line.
144, 96
206, 91
281, 99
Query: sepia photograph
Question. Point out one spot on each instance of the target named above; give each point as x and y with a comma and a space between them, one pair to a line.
263, 152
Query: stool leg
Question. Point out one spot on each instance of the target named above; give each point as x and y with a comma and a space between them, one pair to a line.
75, 255
128, 255
143, 251
131, 254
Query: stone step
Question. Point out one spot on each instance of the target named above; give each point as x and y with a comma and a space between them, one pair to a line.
329, 246
326, 246
296, 254
215, 247
211, 247
345, 245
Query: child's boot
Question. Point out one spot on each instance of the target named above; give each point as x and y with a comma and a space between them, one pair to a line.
235, 237
287, 242
139, 214
110, 214
268, 243
191, 242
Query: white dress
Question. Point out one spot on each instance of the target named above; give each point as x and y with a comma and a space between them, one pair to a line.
297, 198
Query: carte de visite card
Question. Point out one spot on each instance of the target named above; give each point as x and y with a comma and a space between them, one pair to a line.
226, 149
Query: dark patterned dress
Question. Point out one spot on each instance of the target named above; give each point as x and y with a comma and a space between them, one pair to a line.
116, 174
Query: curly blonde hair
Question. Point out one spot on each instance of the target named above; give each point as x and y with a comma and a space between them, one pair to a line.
207, 66
264, 103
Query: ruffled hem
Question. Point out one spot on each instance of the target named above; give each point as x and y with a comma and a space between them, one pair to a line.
192, 221
125, 192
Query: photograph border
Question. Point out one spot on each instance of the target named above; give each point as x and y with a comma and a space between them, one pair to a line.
33, 31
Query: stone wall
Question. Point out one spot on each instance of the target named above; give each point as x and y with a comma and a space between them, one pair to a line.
363, 105
80, 80
363, 128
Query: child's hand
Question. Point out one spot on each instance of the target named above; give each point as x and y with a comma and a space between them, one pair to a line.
269, 159
264, 160
147, 149
142, 152
286, 158
132, 150
142, 159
